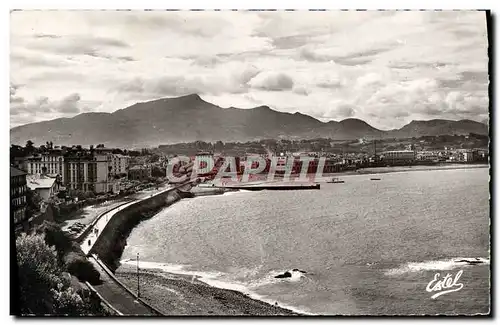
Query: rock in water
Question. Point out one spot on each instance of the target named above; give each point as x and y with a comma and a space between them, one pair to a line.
477, 261
297, 270
284, 275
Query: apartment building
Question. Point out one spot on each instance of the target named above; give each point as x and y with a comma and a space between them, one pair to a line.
399, 156
18, 201
119, 164
87, 171
51, 163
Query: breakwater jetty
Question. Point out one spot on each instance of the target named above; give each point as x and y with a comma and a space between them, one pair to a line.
273, 186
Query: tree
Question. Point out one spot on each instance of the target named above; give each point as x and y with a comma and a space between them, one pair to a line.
33, 201
158, 172
29, 148
55, 237
82, 268
37, 270
154, 158
43, 289
16, 152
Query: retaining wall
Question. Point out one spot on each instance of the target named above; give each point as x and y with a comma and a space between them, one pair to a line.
113, 238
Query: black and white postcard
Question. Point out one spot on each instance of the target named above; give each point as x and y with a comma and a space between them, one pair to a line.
250, 163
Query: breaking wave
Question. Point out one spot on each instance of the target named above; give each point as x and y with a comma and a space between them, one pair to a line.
214, 279
438, 265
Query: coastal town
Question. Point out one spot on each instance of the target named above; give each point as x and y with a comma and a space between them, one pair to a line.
58, 174
250, 163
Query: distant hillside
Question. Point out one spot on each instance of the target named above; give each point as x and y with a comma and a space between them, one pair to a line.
438, 127
189, 118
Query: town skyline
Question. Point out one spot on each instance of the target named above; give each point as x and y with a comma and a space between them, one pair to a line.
425, 65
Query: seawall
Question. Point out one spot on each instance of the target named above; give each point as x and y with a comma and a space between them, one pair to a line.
113, 238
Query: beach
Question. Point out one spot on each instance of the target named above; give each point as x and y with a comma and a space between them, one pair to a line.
179, 295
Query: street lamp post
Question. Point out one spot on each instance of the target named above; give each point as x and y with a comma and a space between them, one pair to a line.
138, 289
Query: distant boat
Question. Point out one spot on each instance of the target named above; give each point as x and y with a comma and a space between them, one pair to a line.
335, 180
375, 179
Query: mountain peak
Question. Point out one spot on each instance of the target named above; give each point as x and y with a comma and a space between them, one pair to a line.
194, 97
353, 120
188, 118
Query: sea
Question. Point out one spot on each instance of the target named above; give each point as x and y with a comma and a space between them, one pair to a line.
363, 247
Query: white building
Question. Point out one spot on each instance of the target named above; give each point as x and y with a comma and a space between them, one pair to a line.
399, 156
119, 164
51, 163
428, 155
90, 173
45, 186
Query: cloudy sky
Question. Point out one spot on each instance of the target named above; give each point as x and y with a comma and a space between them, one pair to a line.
387, 68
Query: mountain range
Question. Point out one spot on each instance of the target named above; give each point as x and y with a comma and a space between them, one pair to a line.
190, 118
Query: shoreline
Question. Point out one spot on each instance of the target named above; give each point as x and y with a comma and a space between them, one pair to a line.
383, 170
177, 294
400, 169
187, 295
197, 298
262, 179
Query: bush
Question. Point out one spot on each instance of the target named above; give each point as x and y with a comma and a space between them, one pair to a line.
43, 290
54, 236
80, 267
37, 272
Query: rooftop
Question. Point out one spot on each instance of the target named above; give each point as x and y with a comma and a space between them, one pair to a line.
35, 181
138, 167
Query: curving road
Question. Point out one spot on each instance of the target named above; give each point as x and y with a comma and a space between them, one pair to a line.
100, 223
110, 289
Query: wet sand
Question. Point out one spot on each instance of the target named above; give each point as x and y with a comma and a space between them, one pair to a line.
181, 295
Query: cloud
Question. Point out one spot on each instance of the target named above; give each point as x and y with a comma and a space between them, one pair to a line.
310, 55
370, 79
61, 76
67, 105
351, 59
466, 80
331, 82
291, 42
206, 60
272, 81
246, 75
389, 67
345, 110
301, 91
35, 59
13, 89
234, 82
